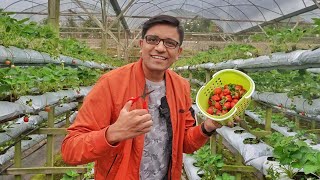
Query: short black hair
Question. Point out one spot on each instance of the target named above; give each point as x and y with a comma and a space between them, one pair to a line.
163, 19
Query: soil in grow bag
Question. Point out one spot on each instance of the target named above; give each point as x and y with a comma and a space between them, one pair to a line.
239, 131
271, 158
251, 141
303, 176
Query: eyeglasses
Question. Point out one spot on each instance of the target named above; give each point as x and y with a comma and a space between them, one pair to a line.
155, 40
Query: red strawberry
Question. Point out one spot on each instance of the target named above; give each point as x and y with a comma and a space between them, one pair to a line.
217, 106
47, 108
215, 98
235, 100
210, 110
224, 112
236, 95
26, 118
302, 113
229, 98
217, 90
238, 87
227, 106
226, 92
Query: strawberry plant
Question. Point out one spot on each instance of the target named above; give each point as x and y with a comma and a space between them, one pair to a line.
29, 35
294, 153
38, 80
210, 164
281, 39
232, 51
294, 83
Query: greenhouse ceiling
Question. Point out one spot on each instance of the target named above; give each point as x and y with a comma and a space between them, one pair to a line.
232, 16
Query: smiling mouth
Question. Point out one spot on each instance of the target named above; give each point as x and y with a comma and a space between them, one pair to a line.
158, 57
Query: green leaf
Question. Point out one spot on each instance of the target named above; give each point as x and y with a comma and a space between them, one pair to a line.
311, 168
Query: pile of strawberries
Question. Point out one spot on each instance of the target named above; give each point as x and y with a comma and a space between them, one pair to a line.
224, 98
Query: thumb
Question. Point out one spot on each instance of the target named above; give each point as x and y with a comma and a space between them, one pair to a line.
127, 106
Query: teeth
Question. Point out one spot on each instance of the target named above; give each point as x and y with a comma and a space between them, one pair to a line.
158, 57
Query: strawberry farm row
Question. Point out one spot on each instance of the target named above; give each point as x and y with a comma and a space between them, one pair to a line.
280, 158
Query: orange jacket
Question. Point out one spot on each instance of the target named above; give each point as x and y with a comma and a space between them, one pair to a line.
86, 140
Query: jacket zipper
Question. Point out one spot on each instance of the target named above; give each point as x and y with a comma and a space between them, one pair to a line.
114, 160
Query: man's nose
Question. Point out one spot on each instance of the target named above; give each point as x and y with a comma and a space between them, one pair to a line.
160, 47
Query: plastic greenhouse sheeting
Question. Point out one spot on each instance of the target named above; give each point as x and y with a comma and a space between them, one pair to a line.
9, 109
314, 70
248, 151
28, 56
190, 169
301, 104
39, 102
60, 109
294, 60
280, 129
231, 16
14, 130
26, 144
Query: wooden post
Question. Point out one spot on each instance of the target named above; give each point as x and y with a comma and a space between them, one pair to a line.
50, 142
119, 39
238, 162
297, 122
190, 76
54, 13
268, 119
219, 144
213, 138
213, 144
126, 50
104, 43
313, 124
80, 102
67, 118
207, 76
17, 158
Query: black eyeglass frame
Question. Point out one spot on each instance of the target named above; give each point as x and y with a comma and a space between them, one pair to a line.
163, 40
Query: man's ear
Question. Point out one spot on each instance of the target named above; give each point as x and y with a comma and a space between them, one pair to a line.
140, 43
179, 52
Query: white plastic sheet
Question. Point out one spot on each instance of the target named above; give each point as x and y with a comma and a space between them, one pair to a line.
247, 151
26, 144
190, 169
9, 109
301, 104
294, 60
28, 56
282, 130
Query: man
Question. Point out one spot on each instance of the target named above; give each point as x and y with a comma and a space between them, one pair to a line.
127, 141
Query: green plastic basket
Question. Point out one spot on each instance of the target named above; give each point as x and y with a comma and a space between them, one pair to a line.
221, 78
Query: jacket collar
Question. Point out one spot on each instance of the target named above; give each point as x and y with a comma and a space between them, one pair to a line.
140, 74
138, 71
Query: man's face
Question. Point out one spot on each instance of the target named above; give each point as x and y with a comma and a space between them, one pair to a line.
158, 58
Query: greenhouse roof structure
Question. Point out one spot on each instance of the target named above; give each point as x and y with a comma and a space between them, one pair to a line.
232, 16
